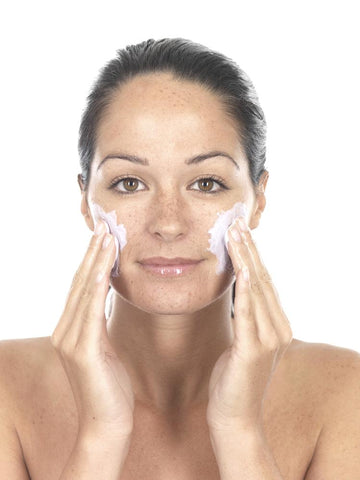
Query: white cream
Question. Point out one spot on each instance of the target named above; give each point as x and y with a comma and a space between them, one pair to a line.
218, 235
117, 230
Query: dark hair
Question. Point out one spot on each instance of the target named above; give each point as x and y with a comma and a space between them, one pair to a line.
185, 60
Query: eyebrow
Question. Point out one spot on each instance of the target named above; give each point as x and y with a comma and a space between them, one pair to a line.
190, 161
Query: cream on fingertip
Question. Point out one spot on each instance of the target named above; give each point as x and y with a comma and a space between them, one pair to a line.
117, 230
219, 235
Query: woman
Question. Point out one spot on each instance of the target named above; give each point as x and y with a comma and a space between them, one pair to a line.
195, 373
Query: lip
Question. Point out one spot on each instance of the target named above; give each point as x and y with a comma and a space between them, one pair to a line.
169, 261
169, 267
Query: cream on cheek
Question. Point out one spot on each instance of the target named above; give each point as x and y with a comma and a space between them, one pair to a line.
117, 230
219, 236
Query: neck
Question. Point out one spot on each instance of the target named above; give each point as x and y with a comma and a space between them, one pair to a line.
169, 358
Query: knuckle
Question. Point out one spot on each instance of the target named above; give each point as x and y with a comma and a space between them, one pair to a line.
78, 279
265, 276
256, 288
85, 293
243, 311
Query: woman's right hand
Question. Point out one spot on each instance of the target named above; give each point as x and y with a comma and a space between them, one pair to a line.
100, 384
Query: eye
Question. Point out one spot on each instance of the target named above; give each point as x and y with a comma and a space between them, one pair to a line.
208, 182
129, 183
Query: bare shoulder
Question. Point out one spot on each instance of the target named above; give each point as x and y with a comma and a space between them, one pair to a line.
24, 349
332, 374
23, 353
330, 369
322, 352
19, 362
326, 359
23, 362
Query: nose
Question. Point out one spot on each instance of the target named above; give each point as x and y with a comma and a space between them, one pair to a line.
168, 217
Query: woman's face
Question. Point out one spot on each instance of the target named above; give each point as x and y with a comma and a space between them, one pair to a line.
167, 206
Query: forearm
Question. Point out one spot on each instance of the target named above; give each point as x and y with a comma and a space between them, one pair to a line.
246, 456
92, 459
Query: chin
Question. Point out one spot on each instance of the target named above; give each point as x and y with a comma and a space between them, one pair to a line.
176, 296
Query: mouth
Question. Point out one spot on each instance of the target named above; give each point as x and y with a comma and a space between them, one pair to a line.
169, 267
169, 261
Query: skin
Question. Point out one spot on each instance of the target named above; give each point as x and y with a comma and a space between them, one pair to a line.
156, 355
169, 333
160, 329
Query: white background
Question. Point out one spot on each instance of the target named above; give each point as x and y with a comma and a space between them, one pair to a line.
303, 58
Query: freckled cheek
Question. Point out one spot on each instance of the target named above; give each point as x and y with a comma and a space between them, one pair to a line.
132, 221
135, 237
137, 222
135, 226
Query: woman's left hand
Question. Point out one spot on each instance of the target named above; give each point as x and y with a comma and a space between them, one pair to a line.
262, 334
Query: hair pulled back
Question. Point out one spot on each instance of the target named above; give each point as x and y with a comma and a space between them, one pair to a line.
186, 60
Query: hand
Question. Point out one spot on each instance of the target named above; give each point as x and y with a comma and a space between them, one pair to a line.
261, 336
100, 384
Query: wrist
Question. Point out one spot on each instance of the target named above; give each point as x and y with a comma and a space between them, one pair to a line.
90, 438
236, 428
250, 436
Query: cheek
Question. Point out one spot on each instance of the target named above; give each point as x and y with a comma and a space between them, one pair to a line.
117, 230
218, 235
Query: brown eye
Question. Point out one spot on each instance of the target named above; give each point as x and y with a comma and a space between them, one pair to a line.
130, 184
127, 185
207, 184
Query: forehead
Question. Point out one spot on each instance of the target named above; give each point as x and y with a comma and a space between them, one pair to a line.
155, 112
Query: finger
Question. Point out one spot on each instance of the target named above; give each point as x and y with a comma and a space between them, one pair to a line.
280, 320
260, 268
86, 265
261, 312
90, 315
79, 280
245, 328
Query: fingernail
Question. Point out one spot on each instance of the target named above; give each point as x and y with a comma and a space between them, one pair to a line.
235, 234
106, 241
99, 228
242, 224
99, 277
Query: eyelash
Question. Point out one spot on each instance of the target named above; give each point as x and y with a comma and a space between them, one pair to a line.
218, 180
